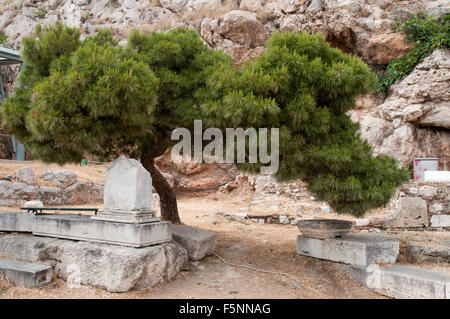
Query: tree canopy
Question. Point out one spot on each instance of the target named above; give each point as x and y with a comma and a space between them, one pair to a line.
305, 87
96, 97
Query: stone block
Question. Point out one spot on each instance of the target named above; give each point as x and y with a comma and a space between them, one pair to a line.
437, 176
283, 219
6, 189
412, 212
119, 269
127, 193
198, 243
26, 274
417, 253
24, 175
353, 249
82, 193
116, 269
403, 282
362, 222
440, 221
82, 227
16, 222
62, 178
9, 202
436, 208
427, 191
50, 195
23, 191
325, 209
28, 248
128, 186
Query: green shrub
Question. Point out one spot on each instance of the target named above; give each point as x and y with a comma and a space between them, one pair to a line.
427, 33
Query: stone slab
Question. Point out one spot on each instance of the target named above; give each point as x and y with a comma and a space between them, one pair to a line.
82, 227
27, 248
26, 274
16, 222
198, 243
412, 212
417, 253
440, 221
353, 249
131, 217
110, 267
437, 176
403, 282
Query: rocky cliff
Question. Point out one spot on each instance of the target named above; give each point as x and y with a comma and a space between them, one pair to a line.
413, 121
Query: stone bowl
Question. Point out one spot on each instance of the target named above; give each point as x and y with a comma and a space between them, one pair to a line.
324, 228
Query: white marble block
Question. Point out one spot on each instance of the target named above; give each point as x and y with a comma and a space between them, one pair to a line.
128, 193
128, 186
437, 176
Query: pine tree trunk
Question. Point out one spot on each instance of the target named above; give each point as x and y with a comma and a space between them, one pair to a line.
167, 197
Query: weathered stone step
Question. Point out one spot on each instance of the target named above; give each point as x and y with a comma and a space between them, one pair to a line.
111, 267
403, 282
26, 274
199, 243
420, 253
353, 249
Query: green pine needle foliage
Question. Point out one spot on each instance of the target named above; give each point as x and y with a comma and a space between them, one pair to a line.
95, 97
305, 87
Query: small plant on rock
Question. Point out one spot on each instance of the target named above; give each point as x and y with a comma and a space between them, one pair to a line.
428, 34
41, 13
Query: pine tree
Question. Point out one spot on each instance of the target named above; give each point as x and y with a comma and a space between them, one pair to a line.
304, 87
96, 97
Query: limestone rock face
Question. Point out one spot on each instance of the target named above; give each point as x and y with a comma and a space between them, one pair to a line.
62, 178
382, 48
415, 118
6, 189
50, 195
24, 175
173, 5
350, 24
16, 193
22, 186
194, 175
82, 193
23, 191
423, 97
238, 33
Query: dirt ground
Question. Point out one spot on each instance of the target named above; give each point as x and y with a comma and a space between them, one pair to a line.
90, 173
269, 247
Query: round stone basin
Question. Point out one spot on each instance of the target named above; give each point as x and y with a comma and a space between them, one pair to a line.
324, 228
